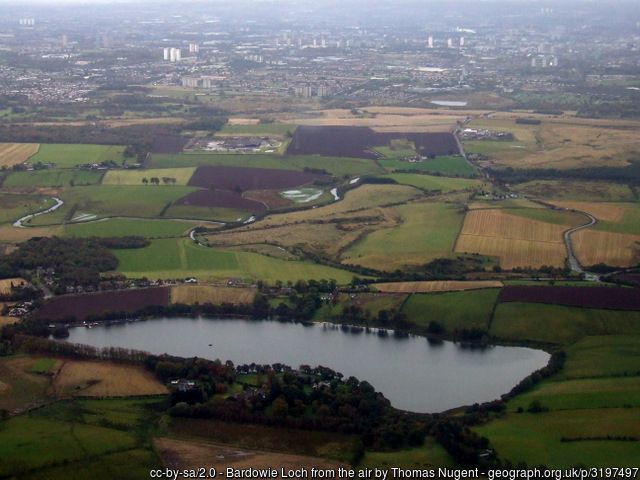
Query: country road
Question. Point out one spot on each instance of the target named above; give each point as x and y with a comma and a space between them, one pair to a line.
574, 264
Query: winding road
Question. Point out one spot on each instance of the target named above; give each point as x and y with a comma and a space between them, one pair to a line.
574, 264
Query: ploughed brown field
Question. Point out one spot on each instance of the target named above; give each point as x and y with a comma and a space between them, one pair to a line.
222, 199
80, 307
243, 179
613, 298
338, 141
168, 144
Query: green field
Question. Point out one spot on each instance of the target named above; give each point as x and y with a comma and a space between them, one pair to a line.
427, 231
113, 201
53, 178
69, 155
447, 165
431, 182
121, 226
429, 455
337, 166
546, 215
79, 439
455, 311
601, 356
219, 214
13, 207
135, 177
558, 324
177, 258
535, 438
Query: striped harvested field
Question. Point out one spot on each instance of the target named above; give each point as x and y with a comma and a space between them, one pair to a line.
517, 241
435, 286
615, 249
16, 153
192, 294
610, 212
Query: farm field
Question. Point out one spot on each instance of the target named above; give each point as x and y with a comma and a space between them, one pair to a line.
70, 440
335, 165
427, 231
7, 283
558, 143
20, 387
103, 379
122, 226
193, 455
558, 324
455, 311
430, 182
588, 408
201, 294
112, 201
445, 165
231, 178
591, 297
372, 303
174, 176
429, 455
543, 446
71, 155
617, 249
52, 178
518, 241
16, 153
14, 206
82, 306
207, 202
435, 286
357, 142
183, 258
574, 190
182, 210
234, 128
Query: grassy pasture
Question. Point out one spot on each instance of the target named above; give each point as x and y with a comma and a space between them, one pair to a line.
182, 258
337, 166
542, 444
583, 393
79, 439
601, 356
20, 386
135, 177
69, 155
116, 227
52, 178
559, 324
218, 214
13, 206
430, 182
446, 165
453, 310
576, 190
111, 200
427, 231
429, 455
545, 215
16, 153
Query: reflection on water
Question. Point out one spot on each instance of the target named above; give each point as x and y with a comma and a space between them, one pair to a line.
412, 372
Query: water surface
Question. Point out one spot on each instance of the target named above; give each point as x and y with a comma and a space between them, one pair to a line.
411, 372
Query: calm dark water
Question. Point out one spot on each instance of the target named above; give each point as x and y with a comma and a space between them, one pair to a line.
412, 373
